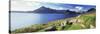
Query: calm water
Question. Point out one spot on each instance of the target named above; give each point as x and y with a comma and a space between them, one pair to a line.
19, 20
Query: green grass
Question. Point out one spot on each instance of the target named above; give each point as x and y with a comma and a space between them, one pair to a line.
74, 27
87, 21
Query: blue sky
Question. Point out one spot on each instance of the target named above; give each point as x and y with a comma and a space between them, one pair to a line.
30, 5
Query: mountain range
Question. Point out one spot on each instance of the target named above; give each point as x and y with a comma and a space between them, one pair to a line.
49, 10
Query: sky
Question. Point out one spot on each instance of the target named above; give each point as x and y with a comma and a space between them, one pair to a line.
30, 5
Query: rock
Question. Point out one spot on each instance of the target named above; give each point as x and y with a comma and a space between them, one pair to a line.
53, 28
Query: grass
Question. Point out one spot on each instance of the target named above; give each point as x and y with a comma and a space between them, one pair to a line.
83, 21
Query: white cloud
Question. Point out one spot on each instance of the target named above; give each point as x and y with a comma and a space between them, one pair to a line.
89, 2
79, 7
25, 5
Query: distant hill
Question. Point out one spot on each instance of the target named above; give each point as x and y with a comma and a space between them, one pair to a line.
92, 9
49, 10
45, 10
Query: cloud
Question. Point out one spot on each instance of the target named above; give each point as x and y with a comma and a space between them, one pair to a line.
79, 7
88, 2
26, 5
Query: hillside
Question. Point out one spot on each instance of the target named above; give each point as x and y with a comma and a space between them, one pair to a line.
83, 21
